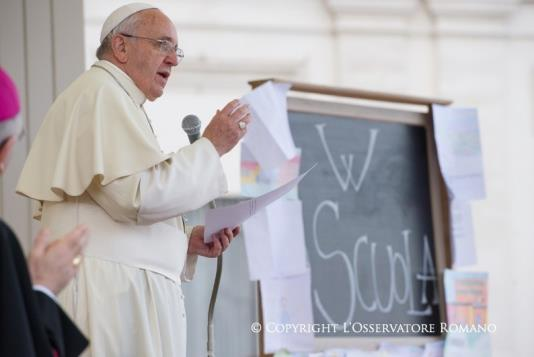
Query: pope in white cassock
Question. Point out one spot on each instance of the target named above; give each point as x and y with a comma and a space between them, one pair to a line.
96, 161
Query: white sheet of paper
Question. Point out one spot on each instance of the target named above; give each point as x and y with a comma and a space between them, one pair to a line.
467, 345
434, 349
287, 301
268, 135
274, 241
463, 238
258, 246
232, 216
391, 350
284, 353
286, 226
335, 352
353, 352
457, 138
361, 353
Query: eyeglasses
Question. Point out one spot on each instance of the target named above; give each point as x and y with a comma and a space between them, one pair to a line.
164, 45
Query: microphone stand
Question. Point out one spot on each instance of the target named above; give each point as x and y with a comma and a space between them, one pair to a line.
191, 125
213, 300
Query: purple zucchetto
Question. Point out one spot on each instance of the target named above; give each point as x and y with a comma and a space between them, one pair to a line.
9, 98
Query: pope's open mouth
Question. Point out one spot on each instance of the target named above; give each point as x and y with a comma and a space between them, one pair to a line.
164, 75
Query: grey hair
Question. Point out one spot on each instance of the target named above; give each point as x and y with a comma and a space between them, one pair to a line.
128, 25
12, 127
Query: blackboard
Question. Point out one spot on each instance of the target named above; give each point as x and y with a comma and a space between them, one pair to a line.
368, 220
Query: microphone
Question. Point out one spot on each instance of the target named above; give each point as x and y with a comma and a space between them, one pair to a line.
191, 125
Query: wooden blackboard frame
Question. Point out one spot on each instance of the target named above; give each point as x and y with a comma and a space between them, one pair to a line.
387, 107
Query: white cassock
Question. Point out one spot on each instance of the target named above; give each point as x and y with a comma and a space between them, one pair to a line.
96, 161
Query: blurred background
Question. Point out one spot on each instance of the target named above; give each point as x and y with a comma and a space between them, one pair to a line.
478, 53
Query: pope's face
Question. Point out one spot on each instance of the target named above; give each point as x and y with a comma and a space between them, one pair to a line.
147, 65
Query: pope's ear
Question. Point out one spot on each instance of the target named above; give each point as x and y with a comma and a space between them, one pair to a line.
5, 150
118, 48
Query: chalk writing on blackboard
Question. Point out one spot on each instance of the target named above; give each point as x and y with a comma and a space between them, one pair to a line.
367, 220
347, 163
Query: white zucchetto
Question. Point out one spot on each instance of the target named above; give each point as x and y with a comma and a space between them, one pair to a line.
120, 15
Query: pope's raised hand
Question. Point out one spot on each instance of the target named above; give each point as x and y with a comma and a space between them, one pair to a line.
228, 126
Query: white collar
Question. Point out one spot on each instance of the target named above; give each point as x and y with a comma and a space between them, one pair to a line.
123, 80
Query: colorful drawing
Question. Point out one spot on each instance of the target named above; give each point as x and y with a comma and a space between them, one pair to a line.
467, 297
255, 181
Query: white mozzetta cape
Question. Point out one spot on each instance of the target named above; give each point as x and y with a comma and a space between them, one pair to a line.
95, 160
93, 129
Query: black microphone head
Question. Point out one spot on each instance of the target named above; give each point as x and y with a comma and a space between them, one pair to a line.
191, 125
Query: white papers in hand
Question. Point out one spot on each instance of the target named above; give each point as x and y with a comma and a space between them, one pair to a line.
268, 135
287, 302
275, 241
232, 216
